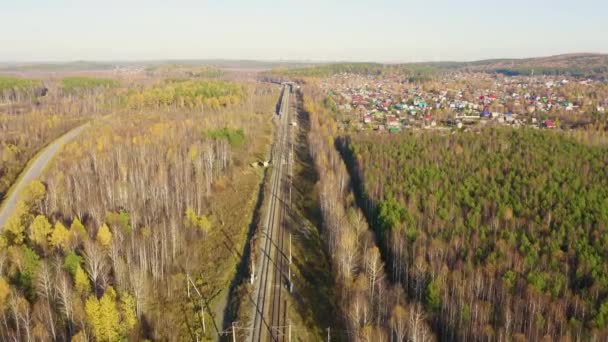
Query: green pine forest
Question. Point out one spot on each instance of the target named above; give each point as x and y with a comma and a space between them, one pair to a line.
500, 234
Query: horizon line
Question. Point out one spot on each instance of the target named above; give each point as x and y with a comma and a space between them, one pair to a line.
282, 60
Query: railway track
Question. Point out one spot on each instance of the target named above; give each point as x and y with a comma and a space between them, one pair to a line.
269, 300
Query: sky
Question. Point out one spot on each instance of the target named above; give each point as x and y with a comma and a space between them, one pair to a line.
304, 30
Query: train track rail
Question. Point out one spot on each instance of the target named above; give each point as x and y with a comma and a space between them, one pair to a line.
269, 300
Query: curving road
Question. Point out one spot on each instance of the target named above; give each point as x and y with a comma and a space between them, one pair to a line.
33, 171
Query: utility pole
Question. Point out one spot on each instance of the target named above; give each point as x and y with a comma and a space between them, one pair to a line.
252, 262
203, 315
233, 333
289, 267
328, 334
188, 283
289, 331
290, 174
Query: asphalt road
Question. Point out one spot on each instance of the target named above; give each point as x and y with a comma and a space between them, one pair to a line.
269, 298
33, 172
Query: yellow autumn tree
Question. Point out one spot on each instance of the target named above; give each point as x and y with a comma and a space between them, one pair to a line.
40, 229
33, 193
78, 229
127, 310
5, 290
200, 222
204, 224
15, 225
110, 319
191, 219
104, 236
81, 281
193, 153
14, 230
60, 237
214, 103
103, 316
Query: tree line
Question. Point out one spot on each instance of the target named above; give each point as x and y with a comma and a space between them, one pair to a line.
81, 84
371, 306
16, 89
411, 72
188, 94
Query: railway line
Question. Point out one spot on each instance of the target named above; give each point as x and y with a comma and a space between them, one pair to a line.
271, 282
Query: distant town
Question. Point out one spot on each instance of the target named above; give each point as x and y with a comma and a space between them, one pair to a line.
464, 100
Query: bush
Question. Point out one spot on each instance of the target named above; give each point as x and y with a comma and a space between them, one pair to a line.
236, 138
82, 84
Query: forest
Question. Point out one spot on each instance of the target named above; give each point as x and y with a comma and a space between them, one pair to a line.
33, 118
371, 307
138, 228
500, 235
19, 89
131, 217
22, 136
185, 71
573, 65
415, 72
80, 84
189, 94
14, 83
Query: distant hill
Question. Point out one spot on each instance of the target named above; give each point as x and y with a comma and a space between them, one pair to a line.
579, 65
150, 64
57, 66
414, 72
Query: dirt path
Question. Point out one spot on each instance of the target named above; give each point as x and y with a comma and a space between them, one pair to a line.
34, 170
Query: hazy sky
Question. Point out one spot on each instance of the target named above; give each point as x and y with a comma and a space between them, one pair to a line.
376, 30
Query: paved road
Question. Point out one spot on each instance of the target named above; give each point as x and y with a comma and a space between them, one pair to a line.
33, 171
269, 298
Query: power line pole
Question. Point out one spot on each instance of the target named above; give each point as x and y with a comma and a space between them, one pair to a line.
252, 261
203, 315
328, 334
233, 333
289, 267
189, 281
